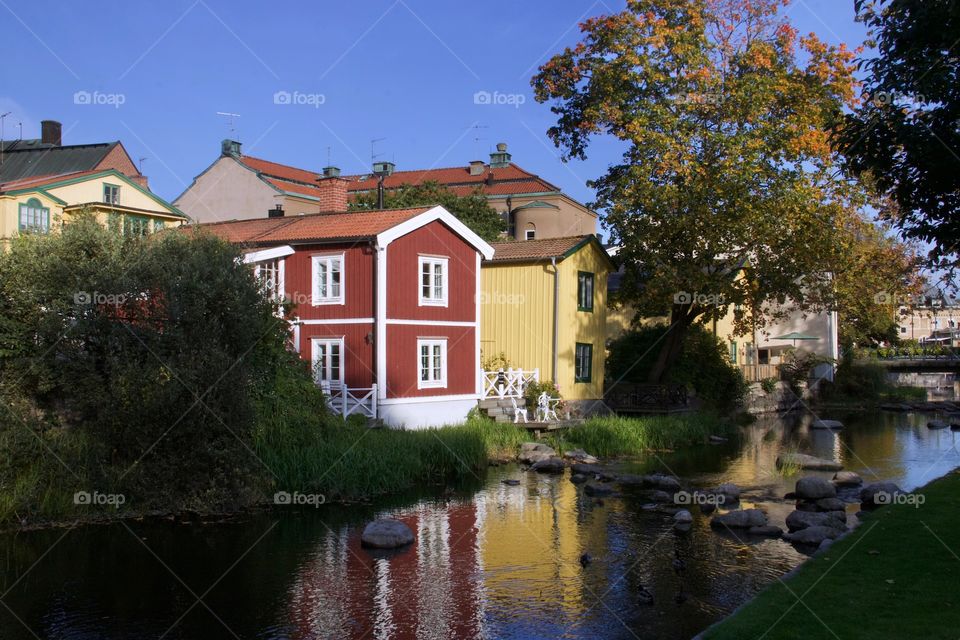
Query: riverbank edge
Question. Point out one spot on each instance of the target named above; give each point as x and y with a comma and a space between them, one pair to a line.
820, 564
612, 436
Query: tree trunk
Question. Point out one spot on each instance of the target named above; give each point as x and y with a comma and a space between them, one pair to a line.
671, 346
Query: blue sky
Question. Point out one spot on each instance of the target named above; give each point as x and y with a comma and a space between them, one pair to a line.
403, 70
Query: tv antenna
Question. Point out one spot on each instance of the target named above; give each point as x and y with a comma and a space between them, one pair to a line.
3, 116
477, 137
140, 162
373, 149
230, 123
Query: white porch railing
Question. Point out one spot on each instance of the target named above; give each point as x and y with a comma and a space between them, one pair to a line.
347, 401
507, 383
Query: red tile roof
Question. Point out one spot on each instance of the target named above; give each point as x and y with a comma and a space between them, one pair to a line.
534, 250
506, 180
314, 226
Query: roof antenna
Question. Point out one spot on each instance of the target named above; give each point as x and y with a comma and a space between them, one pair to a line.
373, 149
140, 161
230, 124
3, 117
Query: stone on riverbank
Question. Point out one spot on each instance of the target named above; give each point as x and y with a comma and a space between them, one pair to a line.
578, 478
729, 491
937, 424
808, 462
586, 469
740, 519
798, 520
386, 534
868, 495
847, 479
682, 517
814, 535
814, 488
579, 455
766, 531
531, 452
663, 482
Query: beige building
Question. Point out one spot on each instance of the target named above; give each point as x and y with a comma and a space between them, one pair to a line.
934, 317
238, 186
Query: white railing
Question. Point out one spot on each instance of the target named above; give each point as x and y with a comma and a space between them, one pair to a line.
507, 383
347, 401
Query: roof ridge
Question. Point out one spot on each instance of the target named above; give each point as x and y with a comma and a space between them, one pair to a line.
301, 216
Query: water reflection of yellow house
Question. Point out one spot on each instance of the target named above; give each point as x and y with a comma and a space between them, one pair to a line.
531, 540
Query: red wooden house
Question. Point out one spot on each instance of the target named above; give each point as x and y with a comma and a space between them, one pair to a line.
386, 304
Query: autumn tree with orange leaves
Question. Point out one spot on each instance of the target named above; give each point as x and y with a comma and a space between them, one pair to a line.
728, 170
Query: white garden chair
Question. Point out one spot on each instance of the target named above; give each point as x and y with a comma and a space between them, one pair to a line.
545, 408
518, 412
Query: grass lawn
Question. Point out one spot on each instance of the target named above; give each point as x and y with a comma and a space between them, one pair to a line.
896, 576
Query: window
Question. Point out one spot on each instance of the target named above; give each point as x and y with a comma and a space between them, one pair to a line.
136, 225
270, 275
903, 329
433, 281
530, 233
34, 216
433, 363
328, 279
111, 193
158, 225
327, 360
733, 351
583, 363
584, 291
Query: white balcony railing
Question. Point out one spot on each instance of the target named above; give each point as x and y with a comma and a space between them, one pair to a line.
346, 401
507, 383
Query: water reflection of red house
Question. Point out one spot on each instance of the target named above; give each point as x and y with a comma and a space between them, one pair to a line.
432, 589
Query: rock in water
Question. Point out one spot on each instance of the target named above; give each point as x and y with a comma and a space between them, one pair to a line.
729, 491
531, 452
592, 489
937, 424
386, 534
579, 455
847, 479
804, 461
683, 517
767, 531
827, 424
578, 478
548, 465
814, 488
740, 519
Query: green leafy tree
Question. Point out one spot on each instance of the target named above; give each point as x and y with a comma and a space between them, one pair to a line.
724, 112
472, 209
905, 134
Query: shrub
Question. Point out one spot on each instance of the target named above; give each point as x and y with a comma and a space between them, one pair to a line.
703, 364
768, 384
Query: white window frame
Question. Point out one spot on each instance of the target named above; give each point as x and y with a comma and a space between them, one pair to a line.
530, 234
279, 285
328, 342
432, 382
316, 299
432, 261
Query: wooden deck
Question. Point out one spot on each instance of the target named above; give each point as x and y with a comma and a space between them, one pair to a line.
540, 428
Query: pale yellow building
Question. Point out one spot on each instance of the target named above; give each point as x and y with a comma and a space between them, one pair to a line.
544, 306
42, 204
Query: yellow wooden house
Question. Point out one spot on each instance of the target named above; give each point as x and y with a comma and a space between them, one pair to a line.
41, 204
544, 306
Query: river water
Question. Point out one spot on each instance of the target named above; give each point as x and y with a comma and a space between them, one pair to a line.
491, 560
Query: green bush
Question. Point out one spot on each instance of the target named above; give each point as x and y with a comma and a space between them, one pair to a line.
532, 391
609, 436
137, 362
703, 365
768, 384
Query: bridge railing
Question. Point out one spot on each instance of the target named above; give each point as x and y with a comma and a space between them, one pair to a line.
912, 352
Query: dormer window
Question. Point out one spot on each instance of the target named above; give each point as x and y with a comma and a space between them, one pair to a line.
111, 193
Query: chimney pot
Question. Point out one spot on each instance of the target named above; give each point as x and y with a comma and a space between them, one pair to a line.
230, 148
276, 212
51, 132
331, 172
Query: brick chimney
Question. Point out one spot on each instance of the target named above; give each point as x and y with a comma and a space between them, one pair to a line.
333, 190
476, 167
50, 132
